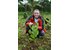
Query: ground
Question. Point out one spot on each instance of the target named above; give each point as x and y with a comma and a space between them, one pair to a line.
43, 43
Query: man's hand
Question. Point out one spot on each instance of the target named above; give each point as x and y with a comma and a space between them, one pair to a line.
30, 23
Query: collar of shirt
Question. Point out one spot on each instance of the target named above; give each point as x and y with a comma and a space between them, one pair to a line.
36, 20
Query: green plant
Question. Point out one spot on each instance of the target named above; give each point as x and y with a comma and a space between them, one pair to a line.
40, 48
33, 31
19, 33
25, 15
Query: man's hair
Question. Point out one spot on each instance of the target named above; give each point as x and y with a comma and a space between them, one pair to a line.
36, 10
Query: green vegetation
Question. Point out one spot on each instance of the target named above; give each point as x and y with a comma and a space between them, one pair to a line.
34, 32
42, 5
24, 43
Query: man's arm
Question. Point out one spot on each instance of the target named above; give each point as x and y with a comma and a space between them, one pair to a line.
28, 21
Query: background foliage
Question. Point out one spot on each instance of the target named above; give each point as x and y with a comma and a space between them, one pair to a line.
42, 5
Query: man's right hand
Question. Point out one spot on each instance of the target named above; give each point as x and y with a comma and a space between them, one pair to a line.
30, 23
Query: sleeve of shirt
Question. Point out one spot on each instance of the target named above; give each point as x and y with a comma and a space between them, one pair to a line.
28, 21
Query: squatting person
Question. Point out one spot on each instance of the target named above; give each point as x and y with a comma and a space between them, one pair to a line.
36, 18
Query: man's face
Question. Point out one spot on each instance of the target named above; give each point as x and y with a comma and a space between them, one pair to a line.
36, 14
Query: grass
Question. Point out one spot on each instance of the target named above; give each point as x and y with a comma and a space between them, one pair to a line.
43, 43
